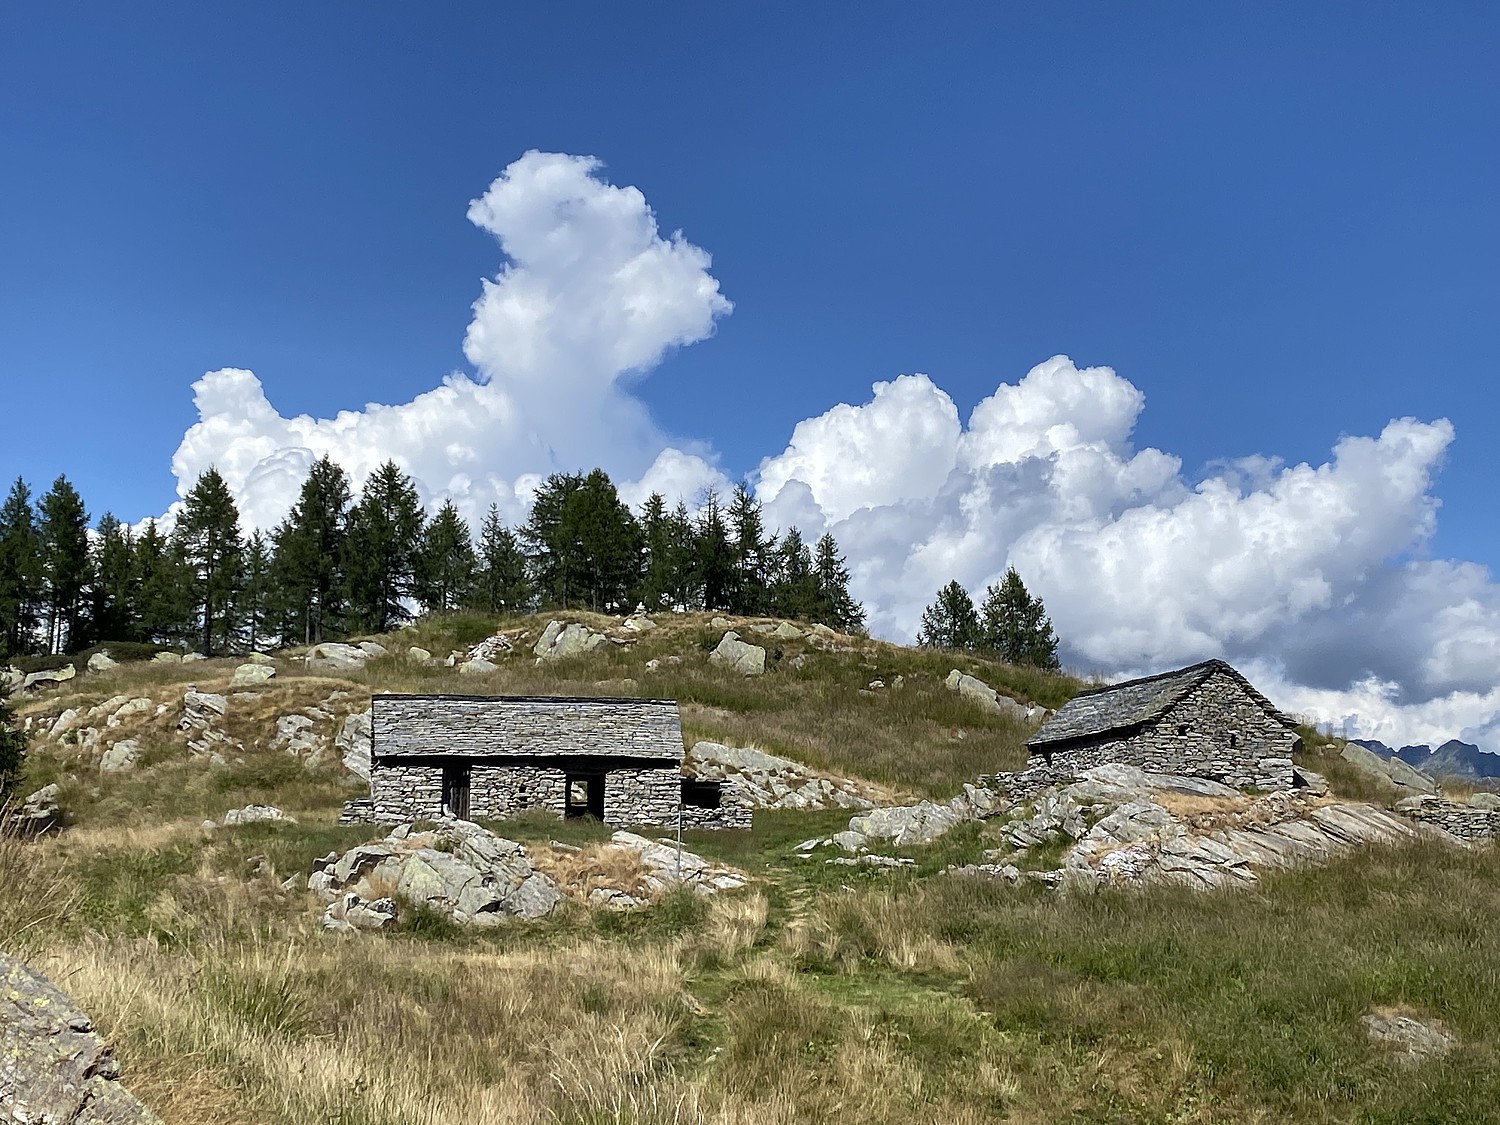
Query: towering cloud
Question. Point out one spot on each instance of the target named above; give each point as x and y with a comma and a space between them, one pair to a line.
1313, 576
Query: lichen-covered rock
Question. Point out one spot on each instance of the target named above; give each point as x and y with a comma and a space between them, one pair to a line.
477, 666
667, 867
987, 697
251, 675
47, 679
739, 656
102, 662
459, 869
122, 756
354, 743
333, 657
53, 1067
1412, 1039
254, 814
559, 641
1404, 777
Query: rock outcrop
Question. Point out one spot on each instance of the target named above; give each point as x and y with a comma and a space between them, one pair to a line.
48, 679
53, 1067
662, 869
1405, 778
769, 782
739, 656
559, 641
355, 743
334, 657
102, 662
250, 676
987, 697
459, 869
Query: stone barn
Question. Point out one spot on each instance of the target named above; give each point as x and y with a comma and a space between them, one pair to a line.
1205, 720
491, 757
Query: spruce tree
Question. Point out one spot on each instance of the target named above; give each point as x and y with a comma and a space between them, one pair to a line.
1015, 625
207, 540
308, 554
794, 589
111, 594
551, 556
750, 592
445, 561
600, 527
20, 572
385, 531
65, 564
680, 578
501, 585
656, 583
950, 621
836, 604
713, 556
161, 611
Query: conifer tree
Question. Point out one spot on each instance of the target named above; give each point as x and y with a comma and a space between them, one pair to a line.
501, 585
583, 542
1015, 625
445, 561
658, 578
161, 612
111, 595
752, 553
256, 607
681, 543
385, 531
20, 572
837, 605
713, 556
308, 552
65, 563
207, 539
12, 754
551, 556
950, 621
794, 591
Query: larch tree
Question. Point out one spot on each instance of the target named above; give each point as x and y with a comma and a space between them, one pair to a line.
713, 556
257, 595
950, 621
794, 588
385, 532
835, 601
111, 592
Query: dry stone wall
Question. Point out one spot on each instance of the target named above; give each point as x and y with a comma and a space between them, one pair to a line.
1216, 731
1463, 821
641, 796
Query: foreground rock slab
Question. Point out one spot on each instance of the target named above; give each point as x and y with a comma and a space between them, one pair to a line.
53, 1067
739, 656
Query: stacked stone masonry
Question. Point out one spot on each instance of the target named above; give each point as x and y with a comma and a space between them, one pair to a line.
623, 756
1459, 820
1218, 730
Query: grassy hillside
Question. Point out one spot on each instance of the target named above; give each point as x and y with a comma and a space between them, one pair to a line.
817, 994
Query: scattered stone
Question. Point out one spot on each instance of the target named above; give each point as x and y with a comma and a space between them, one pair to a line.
38, 812
798, 662
559, 641
768, 782
666, 867
53, 1067
478, 666
871, 861
821, 630
296, 734
167, 658
192, 657
653, 664
638, 622
251, 675
122, 756
373, 650
259, 658
720, 623
739, 656
418, 655
1412, 1039
786, 631
491, 648
253, 814
102, 662
140, 705
334, 657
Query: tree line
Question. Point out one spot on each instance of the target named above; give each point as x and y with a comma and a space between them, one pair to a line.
341, 565
1010, 624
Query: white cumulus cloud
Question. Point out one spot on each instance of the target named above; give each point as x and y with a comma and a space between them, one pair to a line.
592, 295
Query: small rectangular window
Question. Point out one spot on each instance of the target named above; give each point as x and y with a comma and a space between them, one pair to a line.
701, 794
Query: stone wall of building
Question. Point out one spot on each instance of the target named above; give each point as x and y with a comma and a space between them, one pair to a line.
477, 726
642, 796
1216, 731
497, 791
736, 809
401, 792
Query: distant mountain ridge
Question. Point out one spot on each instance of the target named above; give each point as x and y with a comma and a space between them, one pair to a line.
1452, 759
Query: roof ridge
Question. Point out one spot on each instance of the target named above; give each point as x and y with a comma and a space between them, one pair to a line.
1202, 665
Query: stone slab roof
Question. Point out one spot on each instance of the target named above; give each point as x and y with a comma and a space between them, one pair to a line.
1127, 706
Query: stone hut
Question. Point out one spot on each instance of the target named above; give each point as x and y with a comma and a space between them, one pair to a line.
1205, 720
491, 757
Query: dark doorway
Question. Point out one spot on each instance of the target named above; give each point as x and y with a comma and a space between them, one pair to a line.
585, 795
456, 789
701, 794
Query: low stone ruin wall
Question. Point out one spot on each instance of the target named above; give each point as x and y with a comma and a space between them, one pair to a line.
736, 810
1460, 820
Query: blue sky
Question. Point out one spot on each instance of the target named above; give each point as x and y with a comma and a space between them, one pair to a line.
1276, 222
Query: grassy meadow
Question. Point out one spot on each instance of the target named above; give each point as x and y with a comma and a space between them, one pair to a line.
818, 993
